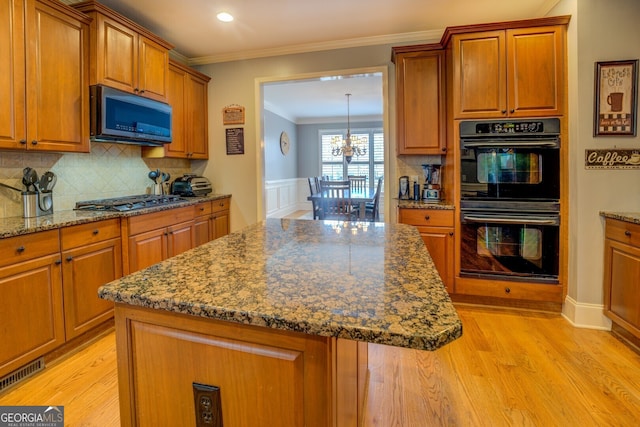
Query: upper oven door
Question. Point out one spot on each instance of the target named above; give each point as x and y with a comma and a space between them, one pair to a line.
513, 167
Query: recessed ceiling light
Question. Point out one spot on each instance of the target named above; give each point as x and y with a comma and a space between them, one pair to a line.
224, 17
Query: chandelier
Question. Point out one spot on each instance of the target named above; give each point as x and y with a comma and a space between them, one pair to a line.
348, 146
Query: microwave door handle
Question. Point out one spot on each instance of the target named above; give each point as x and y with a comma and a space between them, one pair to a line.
507, 220
510, 144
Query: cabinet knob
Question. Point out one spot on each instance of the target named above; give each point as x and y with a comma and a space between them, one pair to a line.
34, 142
20, 249
627, 233
512, 111
504, 111
23, 141
507, 290
202, 208
444, 149
427, 217
451, 233
58, 262
69, 258
95, 232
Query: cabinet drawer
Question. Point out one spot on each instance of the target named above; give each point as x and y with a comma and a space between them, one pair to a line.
426, 217
220, 205
153, 221
203, 209
94, 232
22, 248
622, 231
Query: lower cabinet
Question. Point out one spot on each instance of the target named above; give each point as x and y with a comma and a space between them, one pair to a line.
157, 236
91, 257
31, 318
621, 273
436, 229
212, 220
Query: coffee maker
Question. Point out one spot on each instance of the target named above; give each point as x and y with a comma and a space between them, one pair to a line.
432, 186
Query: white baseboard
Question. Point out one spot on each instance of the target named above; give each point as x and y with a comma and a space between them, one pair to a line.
582, 315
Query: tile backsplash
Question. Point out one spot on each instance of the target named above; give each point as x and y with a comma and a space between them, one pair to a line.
110, 170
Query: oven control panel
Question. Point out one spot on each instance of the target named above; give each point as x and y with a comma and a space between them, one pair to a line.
510, 127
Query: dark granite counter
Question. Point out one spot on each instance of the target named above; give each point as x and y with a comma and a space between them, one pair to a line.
15, 226
419, 204
632, 217
375, 284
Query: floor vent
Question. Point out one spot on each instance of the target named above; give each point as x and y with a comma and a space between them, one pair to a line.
21, 374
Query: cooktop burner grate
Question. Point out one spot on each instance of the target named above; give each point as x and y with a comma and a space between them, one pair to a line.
128, 203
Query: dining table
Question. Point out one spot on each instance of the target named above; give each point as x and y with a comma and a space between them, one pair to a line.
359, 197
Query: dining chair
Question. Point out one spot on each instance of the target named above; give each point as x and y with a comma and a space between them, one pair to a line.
372, 210
336, 200
315, 189
358, 183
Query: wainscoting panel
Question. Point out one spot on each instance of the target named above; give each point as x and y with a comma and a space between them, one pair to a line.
285, 196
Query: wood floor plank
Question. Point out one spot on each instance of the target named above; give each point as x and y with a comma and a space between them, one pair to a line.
510, 368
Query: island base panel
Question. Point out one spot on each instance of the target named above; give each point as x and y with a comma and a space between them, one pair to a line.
266, 377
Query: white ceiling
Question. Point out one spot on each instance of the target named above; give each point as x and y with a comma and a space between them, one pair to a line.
274, 27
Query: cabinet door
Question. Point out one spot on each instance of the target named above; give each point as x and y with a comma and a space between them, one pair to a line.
57, 71
180, 238
535, 71
12, 77
202, 227
153, 63
197, 131
421, 111
147, 248
85, 269
176, 92
220, 224
479, 75
439, 243
621, 285
31, 318
116, 54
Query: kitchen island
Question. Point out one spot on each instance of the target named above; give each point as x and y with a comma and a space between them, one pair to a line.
276, 316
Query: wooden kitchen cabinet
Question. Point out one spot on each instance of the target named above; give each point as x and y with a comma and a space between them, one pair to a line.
516, 72
420, 100
125, 55
31, 319
91, 257
437, 230
621, 279
45, 102
157, 236
212, 220
187, 95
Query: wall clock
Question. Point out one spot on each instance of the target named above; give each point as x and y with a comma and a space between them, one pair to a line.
284, 143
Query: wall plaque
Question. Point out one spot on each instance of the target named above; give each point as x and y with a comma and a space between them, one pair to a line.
233, 115
612, 159
235, 140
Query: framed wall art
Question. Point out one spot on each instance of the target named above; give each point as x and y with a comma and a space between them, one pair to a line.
615, 98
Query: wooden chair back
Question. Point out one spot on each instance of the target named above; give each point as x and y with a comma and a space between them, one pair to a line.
315, 189
358, 183
336, 200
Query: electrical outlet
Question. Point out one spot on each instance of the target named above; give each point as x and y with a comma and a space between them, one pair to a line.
208, 405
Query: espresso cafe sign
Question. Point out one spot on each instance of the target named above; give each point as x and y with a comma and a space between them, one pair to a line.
612, 159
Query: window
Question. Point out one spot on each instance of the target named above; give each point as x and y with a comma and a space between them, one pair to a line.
370, 165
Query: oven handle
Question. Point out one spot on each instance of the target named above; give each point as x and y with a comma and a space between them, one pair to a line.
510, 220
511, 144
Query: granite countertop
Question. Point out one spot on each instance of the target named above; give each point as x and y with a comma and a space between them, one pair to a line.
419, 204
377, 284
16, 226
633, 217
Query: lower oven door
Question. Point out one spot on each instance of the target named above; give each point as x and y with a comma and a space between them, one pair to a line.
510, 246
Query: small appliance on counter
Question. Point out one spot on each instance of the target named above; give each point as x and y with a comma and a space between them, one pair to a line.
431, 190
191, 185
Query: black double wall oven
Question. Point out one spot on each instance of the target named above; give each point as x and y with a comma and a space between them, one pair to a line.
510, 200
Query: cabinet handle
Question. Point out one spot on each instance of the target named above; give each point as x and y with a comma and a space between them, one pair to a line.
69, 258
202, 208
504, 111
20, 249
627, 233
34, 142
507, 290
95, 232
512, 111
451, 233
58, 262
427, 217
23, 141
444, 149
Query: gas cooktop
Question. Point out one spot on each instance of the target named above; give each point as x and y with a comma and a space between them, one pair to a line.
128, 203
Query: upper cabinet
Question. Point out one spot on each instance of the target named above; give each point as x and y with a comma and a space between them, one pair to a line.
125, 55
420, 101
44, 43
516, 72
187, 94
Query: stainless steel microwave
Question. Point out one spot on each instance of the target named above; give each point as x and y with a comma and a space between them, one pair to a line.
121, 117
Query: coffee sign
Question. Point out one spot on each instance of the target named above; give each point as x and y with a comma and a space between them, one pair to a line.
612, 159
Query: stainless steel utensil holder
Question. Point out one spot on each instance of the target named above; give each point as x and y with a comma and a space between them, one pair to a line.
35, 204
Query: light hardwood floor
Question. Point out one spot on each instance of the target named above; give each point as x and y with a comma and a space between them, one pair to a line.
510, 368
